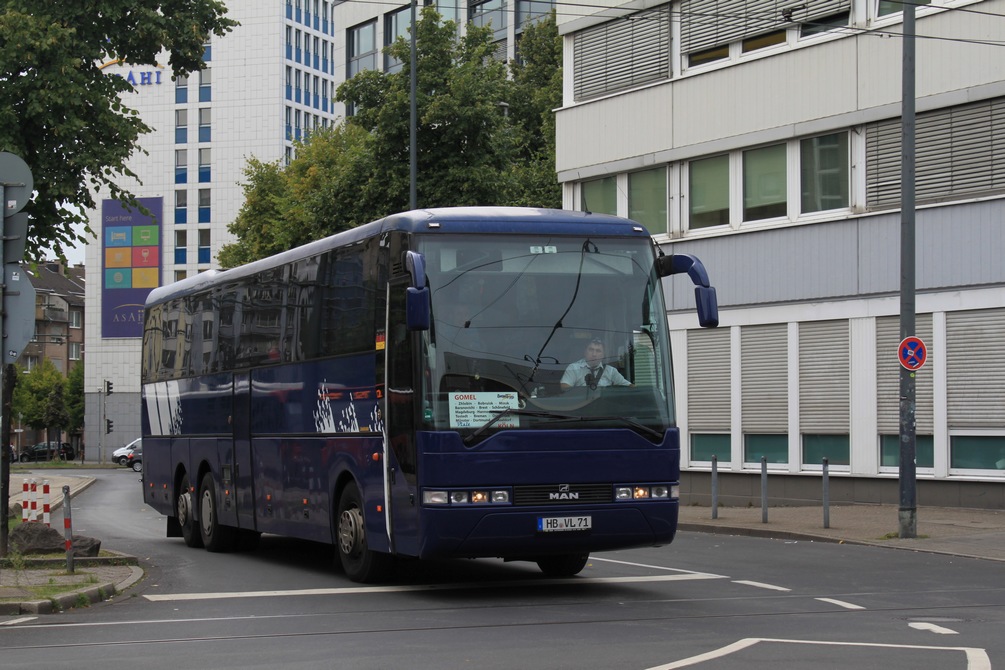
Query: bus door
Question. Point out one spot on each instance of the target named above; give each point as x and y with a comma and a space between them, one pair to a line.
403, 392
244, 476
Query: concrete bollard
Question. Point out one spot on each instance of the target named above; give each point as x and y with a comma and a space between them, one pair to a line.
764, 489
715, 486
826, 494
68, 529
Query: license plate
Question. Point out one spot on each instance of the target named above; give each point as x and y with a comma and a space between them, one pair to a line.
556, 524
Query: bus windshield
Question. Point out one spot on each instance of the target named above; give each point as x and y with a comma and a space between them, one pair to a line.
544, 333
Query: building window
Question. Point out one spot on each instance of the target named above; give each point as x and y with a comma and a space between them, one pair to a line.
181, 206
835, 448
708, 191
180, 166
489, 13
180, 247
824, 163
205, 124
74, 351
600, 196
824, 24
205, 85
705, 446
181, 89
887, 7
764, 183
204, 205
289, 43
647, 199
204, 245
207, 52
977, 452
181, 126
528, 11
889, 451
362, 41
395, 25
774, 448
763, 41
180, 274
205, 158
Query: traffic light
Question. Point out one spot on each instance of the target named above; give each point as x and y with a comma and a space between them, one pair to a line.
108, 389
108, 426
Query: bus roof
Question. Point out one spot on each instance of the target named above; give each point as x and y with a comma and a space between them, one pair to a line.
483, 220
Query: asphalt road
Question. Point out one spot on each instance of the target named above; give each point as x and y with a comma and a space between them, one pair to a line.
708, 601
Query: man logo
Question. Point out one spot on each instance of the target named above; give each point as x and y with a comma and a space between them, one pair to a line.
564, 493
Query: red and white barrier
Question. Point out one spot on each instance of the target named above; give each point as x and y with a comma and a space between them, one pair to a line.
45, 503
29, 502
24, 502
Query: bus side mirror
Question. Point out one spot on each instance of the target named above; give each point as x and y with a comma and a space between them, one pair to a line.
417, 308
707, 305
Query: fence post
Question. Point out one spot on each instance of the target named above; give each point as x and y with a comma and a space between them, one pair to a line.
68, 529
827, 494
764, 489
715, 486
46, 518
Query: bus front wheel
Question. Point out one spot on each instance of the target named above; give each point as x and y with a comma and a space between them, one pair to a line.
359, 562
563, 566
185, 511
215, 536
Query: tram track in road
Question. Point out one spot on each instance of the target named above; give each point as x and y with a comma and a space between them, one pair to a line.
298, 619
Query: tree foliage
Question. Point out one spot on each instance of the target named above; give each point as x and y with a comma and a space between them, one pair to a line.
31, 401
75, 398
485, 136
64, 116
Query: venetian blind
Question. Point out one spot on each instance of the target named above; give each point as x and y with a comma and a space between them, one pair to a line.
622, 54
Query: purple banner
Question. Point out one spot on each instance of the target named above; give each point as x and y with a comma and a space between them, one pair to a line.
131, 264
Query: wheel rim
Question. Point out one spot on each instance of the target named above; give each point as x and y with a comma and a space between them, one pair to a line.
184, 508
207, 514
350, 531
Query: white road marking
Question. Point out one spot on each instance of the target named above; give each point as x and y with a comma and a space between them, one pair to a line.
14, 622
354, 590
977, 659
840, 603
654, 567
760, 585
932, 628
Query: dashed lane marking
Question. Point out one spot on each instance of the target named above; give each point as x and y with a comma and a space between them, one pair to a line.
932, 628
841, 603
760, 585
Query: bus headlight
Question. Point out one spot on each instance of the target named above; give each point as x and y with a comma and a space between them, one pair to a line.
466, 497
625, 492
457, 497
435, 498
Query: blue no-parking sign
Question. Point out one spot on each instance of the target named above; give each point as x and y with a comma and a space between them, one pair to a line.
912, 353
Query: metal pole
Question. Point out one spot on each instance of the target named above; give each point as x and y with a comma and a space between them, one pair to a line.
827, 494
68, 529
412, 120
764, 489
715, 486
908, 513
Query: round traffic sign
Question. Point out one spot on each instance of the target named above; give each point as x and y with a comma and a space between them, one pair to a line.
912, 353
17, 181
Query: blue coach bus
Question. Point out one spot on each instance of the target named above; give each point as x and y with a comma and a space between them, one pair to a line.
424, 386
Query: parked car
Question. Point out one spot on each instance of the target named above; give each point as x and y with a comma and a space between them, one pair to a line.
135, 459
44, 451
121, 455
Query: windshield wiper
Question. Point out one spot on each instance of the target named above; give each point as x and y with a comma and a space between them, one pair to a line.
560, 418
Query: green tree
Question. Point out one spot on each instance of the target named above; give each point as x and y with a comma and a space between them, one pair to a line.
34, 393
68, 120
75, 398
484, 138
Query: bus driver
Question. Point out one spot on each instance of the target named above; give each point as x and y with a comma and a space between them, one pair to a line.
590, 370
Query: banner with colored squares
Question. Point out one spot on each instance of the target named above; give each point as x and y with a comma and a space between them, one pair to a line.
131, 264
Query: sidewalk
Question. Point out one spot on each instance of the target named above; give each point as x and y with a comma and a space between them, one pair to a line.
975, 533
93, 579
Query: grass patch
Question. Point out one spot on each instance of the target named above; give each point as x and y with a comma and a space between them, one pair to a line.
896, 536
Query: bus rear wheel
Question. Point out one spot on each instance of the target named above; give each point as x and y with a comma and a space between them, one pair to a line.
359, 562
215, 536
563, 566
185, 511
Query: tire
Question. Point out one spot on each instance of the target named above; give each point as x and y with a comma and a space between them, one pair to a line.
137, 466
123, 460
359, 562
215, 536
568, 565
24, 458
185, 512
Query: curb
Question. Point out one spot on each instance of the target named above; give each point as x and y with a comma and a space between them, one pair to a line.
84, 597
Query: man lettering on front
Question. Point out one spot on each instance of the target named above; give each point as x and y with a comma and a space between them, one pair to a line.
590, 370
